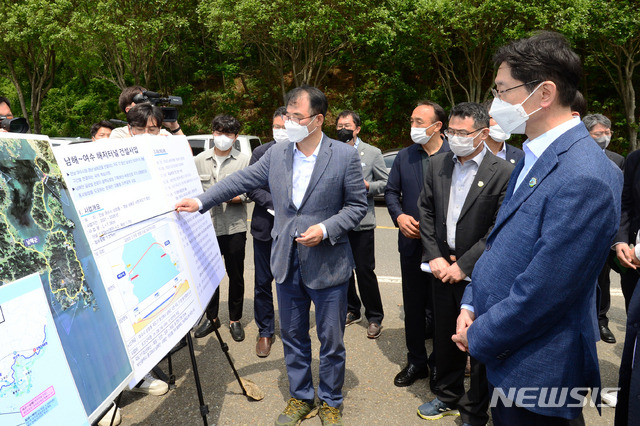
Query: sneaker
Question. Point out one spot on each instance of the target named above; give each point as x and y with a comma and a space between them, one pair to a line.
151, 386
295, 411
436, 409
106, 419
352, 318
330, 415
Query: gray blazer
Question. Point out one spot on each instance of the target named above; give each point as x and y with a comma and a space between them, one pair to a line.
336, 197
375, 172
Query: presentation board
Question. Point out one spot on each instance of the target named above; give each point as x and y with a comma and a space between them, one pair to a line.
160, 268
40, 233
124, 275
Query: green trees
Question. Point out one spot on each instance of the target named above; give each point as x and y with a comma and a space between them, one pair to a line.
65, 61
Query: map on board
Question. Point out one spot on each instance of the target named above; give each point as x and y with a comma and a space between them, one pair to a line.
40, 233
36, 385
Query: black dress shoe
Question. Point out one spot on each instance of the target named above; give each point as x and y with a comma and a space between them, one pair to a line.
237, 333
606, 335
410, 374
206, 328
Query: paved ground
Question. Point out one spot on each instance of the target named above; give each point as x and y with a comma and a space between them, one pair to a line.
370, 396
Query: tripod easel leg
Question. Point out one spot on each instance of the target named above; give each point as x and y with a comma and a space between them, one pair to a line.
204, 409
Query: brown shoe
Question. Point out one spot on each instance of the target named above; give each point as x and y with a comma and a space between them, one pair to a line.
263, 347
373, 331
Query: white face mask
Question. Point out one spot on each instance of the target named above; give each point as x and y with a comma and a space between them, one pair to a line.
497, 134
222, 142
419, 134
296, 131
512, 118
462, 146
603, 141
280, 135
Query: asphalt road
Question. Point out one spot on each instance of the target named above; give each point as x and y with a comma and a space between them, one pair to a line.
370, 396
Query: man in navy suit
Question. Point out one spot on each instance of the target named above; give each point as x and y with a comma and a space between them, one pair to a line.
401, 195
529, 312
261, 226
318, 195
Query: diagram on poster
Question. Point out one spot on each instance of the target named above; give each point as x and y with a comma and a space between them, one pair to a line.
40, 233
159, 269
36, 384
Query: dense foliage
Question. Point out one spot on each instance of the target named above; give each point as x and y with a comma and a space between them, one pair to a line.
64, 62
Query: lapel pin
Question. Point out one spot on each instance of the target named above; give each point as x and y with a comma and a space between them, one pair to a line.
533, 182
513, 161
480, 184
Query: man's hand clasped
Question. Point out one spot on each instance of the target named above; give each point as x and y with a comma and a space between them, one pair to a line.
465, 319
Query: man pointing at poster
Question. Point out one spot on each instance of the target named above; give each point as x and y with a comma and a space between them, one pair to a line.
318, 196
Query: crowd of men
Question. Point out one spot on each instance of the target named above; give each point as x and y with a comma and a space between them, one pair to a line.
505, 254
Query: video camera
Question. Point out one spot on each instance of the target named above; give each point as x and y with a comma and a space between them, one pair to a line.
14, 125
170, 113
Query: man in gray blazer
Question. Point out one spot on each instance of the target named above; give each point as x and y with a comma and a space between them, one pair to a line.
362, 238
318, 196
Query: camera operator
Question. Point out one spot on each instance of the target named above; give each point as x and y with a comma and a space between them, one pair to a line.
9, 123
126, 103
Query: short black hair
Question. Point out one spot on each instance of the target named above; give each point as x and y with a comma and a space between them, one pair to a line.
579, 104
139, 114
4, 100
349, 113
280, 112
103, 123
544, 56
225, 123
317, 100
127, 95
441, 115
471, 109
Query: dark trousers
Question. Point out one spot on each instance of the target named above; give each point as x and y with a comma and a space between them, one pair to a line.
418, 308
363, 248
514, 415
232, 249
450, 361
263, 294
294, 303
604, 284
628, 281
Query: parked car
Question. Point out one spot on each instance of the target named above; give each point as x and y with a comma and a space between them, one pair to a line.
389, 157
58, 141
245, 143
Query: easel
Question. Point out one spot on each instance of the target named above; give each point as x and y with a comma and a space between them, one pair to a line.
171, 380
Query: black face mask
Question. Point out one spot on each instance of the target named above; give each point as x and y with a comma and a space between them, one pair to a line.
345, 135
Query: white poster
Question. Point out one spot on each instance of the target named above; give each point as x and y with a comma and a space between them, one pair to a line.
159, 268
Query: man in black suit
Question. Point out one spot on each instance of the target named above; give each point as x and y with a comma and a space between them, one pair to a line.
401, 195
462, 193
261, 226
599, 128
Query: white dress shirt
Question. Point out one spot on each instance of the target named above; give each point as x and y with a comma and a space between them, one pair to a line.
302, 170
533, 149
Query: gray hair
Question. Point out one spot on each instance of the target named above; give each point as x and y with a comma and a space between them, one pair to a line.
591, 120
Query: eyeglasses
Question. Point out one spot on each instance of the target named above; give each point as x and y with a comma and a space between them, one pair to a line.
294, 119
462, 133
599, 134
497, 93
